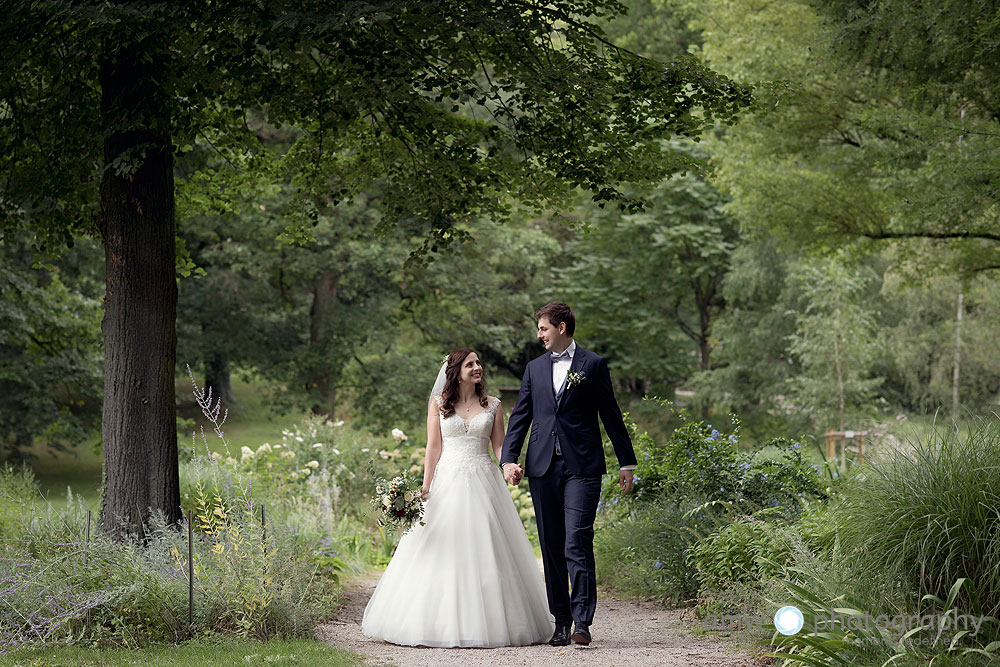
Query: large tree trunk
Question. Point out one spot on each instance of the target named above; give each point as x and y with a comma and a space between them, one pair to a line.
217, 379
956, 371
324, 297
137, 227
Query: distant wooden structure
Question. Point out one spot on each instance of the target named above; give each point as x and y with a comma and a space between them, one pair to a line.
851, 442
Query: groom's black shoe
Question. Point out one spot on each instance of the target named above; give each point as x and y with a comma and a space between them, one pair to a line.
582, 634
561, 636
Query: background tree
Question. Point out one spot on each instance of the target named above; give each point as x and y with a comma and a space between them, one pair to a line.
50, 356
861, 134
835, 343
752, 361
648, 285
918, 327
100, 99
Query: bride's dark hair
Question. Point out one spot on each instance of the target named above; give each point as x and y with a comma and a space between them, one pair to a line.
452, 372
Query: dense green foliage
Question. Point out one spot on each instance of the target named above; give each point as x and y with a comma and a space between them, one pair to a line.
691, 490
929, 549
380, 183
50, 377
710, 288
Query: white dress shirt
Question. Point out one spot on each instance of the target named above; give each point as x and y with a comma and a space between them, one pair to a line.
560, 367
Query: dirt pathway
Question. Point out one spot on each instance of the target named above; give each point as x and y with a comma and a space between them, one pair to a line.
626, 634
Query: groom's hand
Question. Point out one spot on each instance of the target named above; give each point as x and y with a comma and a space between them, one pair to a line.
625, 480
512, 473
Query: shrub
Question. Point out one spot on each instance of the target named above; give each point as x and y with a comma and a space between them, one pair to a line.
838, 628
56, 587
787, 481
696, 460
750, 550
923, 519
688, 488
701, 461
643, 552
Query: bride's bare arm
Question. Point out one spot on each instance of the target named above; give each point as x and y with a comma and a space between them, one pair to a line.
433, 445
496, 437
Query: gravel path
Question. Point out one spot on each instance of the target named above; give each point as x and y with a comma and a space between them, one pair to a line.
626, 633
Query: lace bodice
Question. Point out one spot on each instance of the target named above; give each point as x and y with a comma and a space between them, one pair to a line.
465, 443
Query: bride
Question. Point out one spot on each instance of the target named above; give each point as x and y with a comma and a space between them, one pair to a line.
468, 577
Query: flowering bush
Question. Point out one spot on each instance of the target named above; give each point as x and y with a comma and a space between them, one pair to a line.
679, 523
701, 461
786, 481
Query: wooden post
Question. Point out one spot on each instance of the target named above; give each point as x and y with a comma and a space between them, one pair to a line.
845, 438
86, 542
191, 572
86, 558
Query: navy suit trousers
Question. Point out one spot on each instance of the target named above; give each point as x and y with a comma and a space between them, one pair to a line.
565, 508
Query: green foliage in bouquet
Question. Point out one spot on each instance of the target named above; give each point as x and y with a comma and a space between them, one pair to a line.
397, 501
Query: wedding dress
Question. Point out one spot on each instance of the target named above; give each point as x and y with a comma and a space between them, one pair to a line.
468, 577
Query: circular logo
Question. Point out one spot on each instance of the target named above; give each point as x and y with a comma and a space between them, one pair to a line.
788, 620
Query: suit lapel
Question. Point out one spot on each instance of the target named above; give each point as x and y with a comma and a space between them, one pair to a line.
575, 365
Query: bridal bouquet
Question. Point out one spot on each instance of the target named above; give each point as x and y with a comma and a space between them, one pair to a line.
397, 501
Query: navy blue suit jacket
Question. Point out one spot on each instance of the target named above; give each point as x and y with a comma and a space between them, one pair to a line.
573, 418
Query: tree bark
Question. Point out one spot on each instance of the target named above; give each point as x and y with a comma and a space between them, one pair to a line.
837, 366
324, 296
958, 356
137, 227
703, 301
218, 379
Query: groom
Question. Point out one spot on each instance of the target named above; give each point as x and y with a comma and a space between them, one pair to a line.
561, 396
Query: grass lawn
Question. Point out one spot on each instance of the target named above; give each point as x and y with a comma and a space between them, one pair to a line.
253, 423
197, 652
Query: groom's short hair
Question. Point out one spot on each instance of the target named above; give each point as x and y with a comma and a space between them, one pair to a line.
557, 312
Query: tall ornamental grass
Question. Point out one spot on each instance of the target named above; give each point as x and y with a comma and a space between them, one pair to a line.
916, 539
915, 522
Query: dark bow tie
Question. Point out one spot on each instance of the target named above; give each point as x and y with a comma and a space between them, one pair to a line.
560, 355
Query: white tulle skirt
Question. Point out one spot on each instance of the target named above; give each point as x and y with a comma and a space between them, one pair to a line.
468, 577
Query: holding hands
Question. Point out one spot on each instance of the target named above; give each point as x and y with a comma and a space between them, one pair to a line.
513, 473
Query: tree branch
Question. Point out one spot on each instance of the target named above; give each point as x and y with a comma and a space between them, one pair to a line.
883, 235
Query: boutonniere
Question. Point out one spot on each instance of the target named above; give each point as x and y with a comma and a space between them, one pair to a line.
576, 378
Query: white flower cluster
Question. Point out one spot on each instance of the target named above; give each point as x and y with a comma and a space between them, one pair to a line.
397, 502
